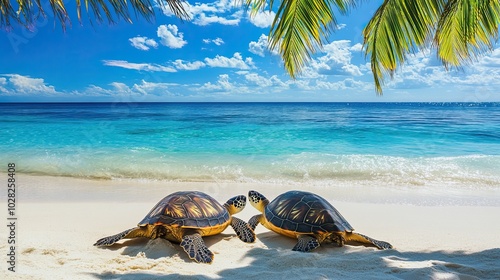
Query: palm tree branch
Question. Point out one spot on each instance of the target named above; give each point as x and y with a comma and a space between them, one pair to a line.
466, 29
397, 28
24, 12
299, 28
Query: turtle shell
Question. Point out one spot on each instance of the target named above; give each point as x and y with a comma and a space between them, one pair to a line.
188, 209
304, 212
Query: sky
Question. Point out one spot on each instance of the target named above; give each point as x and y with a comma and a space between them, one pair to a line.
219, 55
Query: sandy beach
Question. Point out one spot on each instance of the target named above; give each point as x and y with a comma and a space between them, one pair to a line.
60, 218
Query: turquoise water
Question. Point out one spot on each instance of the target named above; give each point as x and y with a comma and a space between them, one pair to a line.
403, 144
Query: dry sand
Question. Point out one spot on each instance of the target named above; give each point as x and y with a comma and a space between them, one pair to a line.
60, 218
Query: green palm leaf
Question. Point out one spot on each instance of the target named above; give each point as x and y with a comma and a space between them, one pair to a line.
300, 27
25, 12
467, 29
398, 28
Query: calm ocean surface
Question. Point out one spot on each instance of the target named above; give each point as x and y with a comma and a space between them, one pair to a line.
382, 144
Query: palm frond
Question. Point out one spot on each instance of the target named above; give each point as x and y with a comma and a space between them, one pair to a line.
467, 29
25, 12
300, 27
397, 28
255, 5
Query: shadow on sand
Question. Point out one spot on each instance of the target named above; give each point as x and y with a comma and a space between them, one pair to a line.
278, 261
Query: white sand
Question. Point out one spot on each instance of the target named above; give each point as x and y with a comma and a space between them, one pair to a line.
60, 218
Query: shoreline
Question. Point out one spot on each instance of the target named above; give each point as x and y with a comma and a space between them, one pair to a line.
60, 218
48, 188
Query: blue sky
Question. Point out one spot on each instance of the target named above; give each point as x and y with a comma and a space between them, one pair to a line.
219, 55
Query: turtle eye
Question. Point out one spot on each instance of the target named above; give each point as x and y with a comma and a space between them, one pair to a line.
253, 197
237, 204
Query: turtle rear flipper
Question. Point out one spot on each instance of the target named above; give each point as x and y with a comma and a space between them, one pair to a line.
196, 249
361, 238
243, 230
129, 233
306, 243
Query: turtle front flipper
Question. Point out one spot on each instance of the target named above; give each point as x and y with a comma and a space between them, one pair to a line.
306, 243
196, 249
243, 230
255, 220
361, 238
129, 233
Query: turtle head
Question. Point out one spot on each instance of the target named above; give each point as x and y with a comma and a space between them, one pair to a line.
258, 200
235, 204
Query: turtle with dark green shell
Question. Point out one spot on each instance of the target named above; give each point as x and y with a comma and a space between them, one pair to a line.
184, 217
309, 218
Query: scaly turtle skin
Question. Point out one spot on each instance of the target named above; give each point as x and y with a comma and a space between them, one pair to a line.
184, 217
309, 218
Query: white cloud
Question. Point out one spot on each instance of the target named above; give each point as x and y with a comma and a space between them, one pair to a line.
204, 20
26, 85
143, 43
357, 47
319, 85
133, 93
170, 36
3, 81
260, 47
262, 19
195, 9
148, 88
424, 70
341, 26
219, 12
233, 62
139, 66
181, 65
217, 41
265, 82
222, 84
335, 61
258, 80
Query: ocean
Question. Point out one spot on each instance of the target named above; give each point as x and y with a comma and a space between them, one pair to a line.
410, 145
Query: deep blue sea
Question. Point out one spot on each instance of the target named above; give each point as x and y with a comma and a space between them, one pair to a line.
383, 144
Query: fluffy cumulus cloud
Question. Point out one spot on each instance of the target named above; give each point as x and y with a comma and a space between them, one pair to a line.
336, 60
149, 88
262, 19
222, 84
143, 43
24, 85
203, 19
218, 61
260, 47
183, 65
139, 66
268, 84
170, 36
258, 80
3, 82
423, 70
223, 12
230, 62
136, 92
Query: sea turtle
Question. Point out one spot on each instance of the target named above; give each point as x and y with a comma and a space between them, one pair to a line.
307, 217
184, 217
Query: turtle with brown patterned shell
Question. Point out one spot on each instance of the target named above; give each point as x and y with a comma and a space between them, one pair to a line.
184, 217
309, 218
